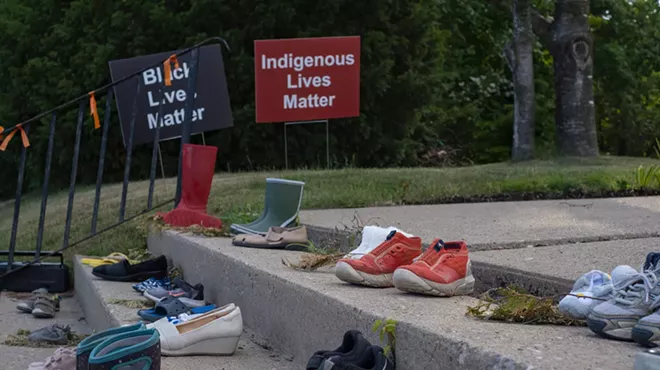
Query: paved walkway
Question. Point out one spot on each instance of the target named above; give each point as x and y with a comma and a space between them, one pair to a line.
508, 223
11, 320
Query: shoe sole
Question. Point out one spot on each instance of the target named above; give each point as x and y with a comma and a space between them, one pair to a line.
24, 308
347, 273
407, 281
611, 329
210, 347
646, 335
40, 314
141, 276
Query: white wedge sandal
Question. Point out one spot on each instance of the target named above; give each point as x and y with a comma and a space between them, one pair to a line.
215, 333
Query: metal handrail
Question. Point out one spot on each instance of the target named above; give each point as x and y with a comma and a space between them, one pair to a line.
185, 137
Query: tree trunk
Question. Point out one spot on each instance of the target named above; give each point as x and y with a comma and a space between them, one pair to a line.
520, 58
571, 47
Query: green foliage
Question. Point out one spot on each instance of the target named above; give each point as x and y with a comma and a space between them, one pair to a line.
387, 333
53, 51
514, 304
432, 79
645, 177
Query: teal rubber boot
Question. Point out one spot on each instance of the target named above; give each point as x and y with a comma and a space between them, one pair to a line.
86, 346
133, 350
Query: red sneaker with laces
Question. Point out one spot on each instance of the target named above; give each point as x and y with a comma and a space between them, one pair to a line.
375, 268
443, 270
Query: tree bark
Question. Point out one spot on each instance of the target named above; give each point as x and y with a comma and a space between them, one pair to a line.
572, 51
520, 56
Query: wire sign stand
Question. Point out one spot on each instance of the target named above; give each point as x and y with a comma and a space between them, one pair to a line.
327, 140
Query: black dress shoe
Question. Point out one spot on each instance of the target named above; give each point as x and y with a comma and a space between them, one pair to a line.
351, 349
124, 271
372, 359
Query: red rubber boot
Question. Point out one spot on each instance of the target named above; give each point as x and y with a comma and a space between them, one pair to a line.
197, 171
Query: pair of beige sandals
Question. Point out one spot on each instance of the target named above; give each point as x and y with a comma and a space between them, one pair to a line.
276, 237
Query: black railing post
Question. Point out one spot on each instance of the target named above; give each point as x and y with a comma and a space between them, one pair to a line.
154, 153
129, 153
74, 173
187, 118
104, 144
17, 204
44, 188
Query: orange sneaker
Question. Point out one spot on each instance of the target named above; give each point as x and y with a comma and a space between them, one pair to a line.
443, 270
375, 268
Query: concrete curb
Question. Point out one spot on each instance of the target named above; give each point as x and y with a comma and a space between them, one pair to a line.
490, 276
300, 321
98, 313
299, 313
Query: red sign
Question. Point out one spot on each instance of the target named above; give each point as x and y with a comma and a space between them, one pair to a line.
307, 79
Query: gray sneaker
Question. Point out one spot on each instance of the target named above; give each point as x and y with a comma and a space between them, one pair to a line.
634, 298
28, 305
52, 334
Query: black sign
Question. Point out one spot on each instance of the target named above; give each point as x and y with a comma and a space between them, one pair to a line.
211, 110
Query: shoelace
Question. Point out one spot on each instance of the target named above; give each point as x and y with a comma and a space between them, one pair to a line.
430, 255
381, 248
639, 285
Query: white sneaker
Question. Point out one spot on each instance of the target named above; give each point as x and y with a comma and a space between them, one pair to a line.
184, 317
593, 284
372, 236
214, 333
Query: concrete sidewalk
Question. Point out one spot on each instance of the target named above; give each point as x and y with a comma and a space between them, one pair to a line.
508, 224
11, 320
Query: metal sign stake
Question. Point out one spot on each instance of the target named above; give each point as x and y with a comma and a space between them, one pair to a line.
327, 140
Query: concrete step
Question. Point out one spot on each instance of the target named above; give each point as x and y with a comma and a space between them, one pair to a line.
551, 270
506, 224
300, 312
96, 296
569, 262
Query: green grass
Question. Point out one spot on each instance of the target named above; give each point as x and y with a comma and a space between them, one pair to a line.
239, 197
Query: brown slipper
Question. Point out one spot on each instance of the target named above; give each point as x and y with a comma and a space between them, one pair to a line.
277, 237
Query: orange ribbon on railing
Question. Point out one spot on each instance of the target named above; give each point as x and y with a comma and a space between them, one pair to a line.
2, 129
167, 68
93, 111
26, 142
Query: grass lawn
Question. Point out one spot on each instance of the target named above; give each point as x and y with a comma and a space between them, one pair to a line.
239, 197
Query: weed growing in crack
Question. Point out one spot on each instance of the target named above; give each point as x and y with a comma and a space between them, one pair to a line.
386, 330
315, 259
132, 303
514, 304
